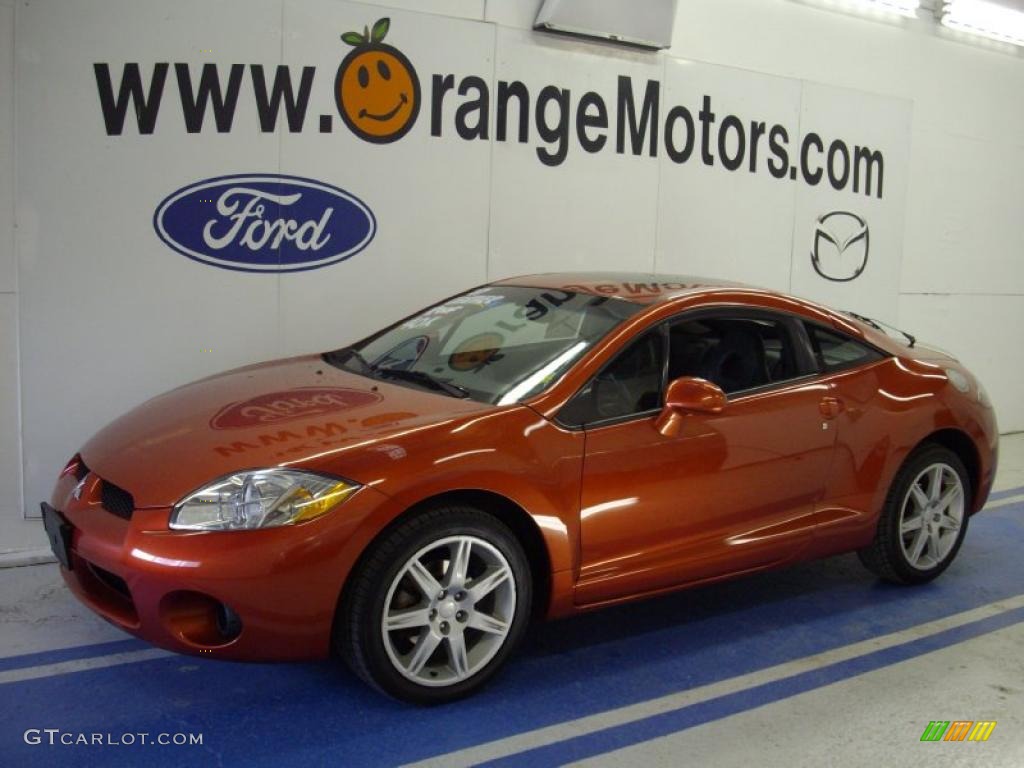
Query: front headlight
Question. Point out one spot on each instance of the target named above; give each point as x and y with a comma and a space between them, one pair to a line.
263, 498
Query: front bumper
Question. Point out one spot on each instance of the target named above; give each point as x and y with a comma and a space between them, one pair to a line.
262, 595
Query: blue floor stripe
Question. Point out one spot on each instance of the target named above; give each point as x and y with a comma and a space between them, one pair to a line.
1006, 493
302, 714
617, 737
39, 658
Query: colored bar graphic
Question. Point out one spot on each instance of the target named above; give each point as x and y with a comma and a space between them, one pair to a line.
958, 730
934, 730
982, 730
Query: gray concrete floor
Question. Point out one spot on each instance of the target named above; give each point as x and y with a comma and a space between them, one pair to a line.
875, 719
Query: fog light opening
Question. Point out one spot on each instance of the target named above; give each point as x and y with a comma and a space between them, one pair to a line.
229, 625
199, 620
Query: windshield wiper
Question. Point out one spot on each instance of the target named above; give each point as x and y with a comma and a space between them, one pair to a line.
339, 357
422, 377
880, 326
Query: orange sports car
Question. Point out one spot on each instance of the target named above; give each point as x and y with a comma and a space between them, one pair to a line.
530, 448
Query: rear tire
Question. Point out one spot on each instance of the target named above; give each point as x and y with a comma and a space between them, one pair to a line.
924, 519
436, 606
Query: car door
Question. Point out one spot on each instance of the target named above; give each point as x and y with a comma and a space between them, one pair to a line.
733, 491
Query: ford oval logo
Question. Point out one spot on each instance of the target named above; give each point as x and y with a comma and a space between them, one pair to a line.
289, 405
264, 223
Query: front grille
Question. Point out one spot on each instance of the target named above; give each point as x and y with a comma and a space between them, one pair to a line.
117, 501
80, 469
111, 580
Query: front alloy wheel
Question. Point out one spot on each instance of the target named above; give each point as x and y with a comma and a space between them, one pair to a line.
449, 610
436, 605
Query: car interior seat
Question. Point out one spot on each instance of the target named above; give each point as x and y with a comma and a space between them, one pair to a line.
737, 361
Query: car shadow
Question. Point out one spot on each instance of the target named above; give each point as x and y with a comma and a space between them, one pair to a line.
822, 578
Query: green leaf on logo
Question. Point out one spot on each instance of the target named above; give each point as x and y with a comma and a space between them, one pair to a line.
353, 38
380, 29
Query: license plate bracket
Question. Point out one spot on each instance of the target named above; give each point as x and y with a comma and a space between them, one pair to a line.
58, 531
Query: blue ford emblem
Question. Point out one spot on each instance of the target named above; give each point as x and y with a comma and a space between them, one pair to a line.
264, 223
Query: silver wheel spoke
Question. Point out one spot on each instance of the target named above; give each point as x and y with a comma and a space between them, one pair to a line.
949, 522
949, 497
458, 568
424, 579
936, 544
457, 654
919, 496
486, 623
935, 482
483, 586
408, 619
912, 524
919, 542
421, 654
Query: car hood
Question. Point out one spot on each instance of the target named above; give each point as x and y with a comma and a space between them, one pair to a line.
265, 415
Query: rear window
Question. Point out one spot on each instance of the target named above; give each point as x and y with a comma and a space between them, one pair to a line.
836, 351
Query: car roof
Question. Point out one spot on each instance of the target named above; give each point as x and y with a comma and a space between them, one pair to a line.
652, 289
639, 287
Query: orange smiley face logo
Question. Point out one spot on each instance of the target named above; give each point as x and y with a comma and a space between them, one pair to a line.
377, 90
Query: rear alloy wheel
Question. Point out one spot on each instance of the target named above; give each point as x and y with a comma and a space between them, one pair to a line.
437, 606
924, 520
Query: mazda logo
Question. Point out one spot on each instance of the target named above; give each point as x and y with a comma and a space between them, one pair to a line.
840, 250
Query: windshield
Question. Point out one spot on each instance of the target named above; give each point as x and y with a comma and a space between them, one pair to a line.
498, 344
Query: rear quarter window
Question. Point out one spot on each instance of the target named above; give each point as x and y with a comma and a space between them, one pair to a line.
836, 351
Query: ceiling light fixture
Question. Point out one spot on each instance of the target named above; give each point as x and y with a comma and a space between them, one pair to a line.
986, 19
885, 7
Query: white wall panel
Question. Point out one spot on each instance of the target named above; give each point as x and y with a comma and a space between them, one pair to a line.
592, 211
8, 272
465, 9
983, 332
109, 315
15, 531
963, 88
849, 123
964, 232
512, 13
730, 224
430, 195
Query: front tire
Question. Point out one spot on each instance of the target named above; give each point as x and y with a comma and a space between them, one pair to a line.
436, 606
924, 519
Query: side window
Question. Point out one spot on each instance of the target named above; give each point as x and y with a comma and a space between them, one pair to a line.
630, 384
836, 351
734, 352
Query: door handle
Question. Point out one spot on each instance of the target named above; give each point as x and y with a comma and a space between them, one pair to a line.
830, 407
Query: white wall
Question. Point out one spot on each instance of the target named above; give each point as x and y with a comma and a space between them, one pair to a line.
470, 210
15, 533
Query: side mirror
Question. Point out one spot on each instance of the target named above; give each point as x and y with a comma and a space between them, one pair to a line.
688, 394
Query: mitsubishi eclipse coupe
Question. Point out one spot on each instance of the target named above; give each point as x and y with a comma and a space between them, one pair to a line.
530, 448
